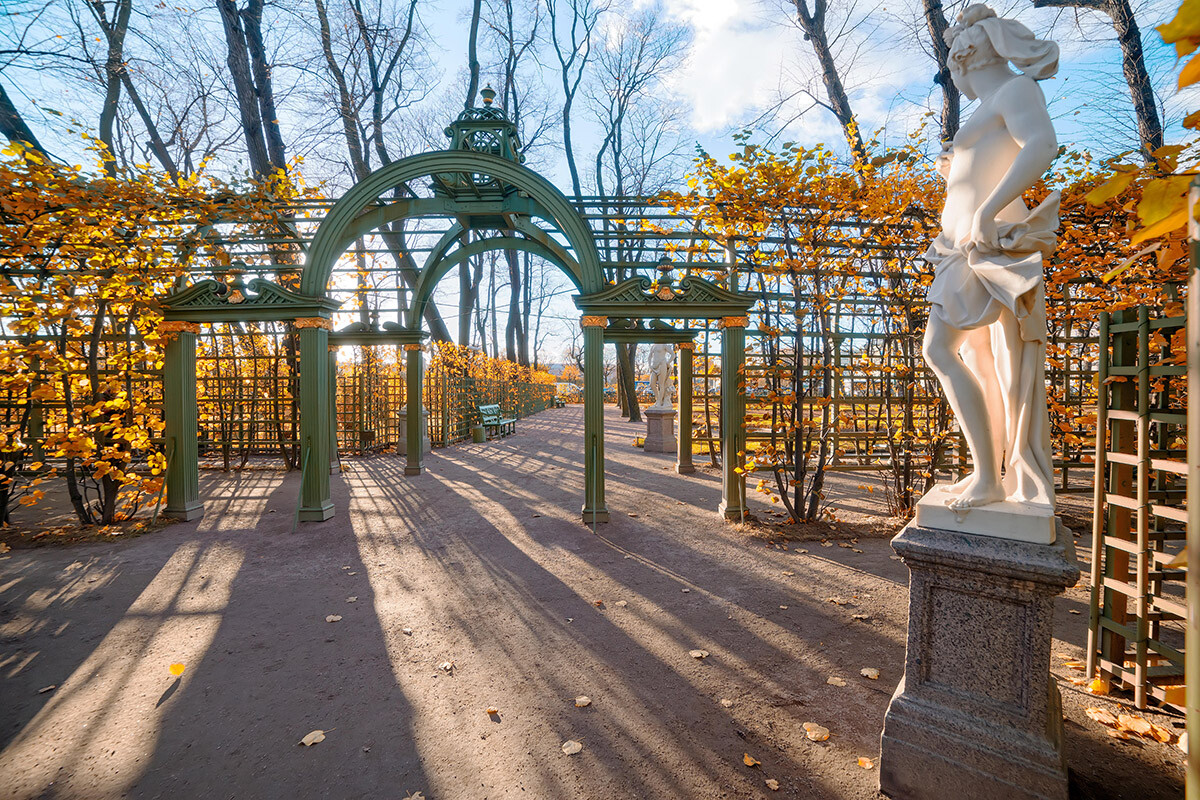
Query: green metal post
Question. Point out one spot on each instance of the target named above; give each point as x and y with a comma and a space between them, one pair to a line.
181, 419
1192, 642
414, 372
333, 421
315, 502
733, 417
683, 463
594, 509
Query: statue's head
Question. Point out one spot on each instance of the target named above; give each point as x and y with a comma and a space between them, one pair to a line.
979, 39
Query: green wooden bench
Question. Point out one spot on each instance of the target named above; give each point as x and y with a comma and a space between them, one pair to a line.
492, 420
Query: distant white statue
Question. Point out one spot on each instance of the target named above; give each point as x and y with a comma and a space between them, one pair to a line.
986, 338
662, 356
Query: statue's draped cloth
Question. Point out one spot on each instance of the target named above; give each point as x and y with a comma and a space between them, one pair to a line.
971, 285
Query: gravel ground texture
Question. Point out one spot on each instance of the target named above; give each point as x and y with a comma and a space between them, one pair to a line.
426, 602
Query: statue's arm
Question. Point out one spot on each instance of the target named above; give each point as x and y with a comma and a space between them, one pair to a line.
1023, 107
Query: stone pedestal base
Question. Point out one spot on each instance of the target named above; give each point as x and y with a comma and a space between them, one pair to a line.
660, 430
1006, 519
402, 442
977, 714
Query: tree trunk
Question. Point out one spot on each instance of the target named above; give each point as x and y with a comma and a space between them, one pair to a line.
115, 33
244, 89
252, 22
13, 126
813, 25
628, 381
512, 330
1133, 64
935, 20
473, 55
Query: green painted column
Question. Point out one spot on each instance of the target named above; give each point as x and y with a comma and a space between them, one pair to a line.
733, 417
594, 509
683, 463
182, 423
414, 372
333, 445
315, 401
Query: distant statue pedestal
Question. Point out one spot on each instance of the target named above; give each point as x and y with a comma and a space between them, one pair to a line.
660, 430
402, 421
977, 713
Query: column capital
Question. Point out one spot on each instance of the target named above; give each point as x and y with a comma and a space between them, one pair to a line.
733, 322
685, 346
414, 347
313, 322
593, 322
169, 329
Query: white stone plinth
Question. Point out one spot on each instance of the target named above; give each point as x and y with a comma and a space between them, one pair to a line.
660, 430
1019, 522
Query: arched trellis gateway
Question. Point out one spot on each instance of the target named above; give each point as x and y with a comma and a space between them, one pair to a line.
495, 204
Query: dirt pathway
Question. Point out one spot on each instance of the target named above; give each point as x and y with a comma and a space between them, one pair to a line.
481, 563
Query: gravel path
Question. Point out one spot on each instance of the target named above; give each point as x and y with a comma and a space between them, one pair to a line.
472, 587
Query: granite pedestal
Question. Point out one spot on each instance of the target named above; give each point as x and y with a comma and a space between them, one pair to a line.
402, 421
977, 714
660, 430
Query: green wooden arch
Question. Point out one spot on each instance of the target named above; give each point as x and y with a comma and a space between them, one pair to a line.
358, 208
539, 244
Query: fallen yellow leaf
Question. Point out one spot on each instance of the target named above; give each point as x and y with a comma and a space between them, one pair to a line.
1133, 724
772, 784
870, 672
312, 738
571, 747
698, 653
1161, 734
176, 669
749, 760
834, 680
1102, 716
1098, 686
493, 710
583, 701
815, 732
865, 762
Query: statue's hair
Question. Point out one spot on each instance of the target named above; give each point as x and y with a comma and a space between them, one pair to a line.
966, 18
1012, 41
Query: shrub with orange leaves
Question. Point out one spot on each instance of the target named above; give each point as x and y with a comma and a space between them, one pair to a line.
83, 260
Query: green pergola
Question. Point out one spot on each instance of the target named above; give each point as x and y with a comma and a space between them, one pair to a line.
494, 203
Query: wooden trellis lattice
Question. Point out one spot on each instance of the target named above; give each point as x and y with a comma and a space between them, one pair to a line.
1137, 603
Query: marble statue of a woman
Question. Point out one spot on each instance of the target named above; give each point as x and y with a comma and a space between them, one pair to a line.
661, 358
986, 338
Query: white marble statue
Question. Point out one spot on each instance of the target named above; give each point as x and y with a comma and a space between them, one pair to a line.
986, 338
662, 356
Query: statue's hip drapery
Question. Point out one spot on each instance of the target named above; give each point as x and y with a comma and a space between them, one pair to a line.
971, 287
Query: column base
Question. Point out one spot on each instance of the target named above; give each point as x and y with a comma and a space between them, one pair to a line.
187, 512
410, 471
402, 426
732, 513
685, 469
977, 713
595, 515
317, 514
